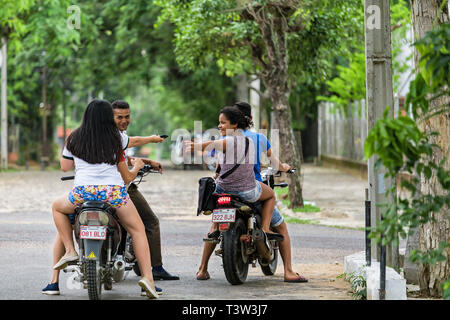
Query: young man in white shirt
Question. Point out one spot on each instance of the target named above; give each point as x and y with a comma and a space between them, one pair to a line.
122, 117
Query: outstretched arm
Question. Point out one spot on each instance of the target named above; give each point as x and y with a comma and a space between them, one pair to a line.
220, 145
140, 141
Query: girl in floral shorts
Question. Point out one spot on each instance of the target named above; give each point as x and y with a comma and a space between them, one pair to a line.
115, 195
96, 151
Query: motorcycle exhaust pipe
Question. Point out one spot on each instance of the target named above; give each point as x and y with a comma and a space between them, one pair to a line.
262, 245
118, 269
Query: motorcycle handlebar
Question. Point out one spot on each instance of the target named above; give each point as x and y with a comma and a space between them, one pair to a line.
147, 169
67, 178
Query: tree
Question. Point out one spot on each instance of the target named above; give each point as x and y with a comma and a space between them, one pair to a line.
426, 15
256, 37
350, 84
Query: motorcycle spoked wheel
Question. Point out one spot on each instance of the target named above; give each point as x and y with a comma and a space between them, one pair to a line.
269, 269
236, 269
93, 279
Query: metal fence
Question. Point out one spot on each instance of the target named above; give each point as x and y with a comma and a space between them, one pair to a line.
342, 135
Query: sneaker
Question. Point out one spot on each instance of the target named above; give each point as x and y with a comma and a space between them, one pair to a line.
51, 289
158, 291
159, 273
62, 263
149, 288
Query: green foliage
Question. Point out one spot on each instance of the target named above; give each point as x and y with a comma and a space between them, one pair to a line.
350, 83
400, 146
434, 74
358, 284
116, 54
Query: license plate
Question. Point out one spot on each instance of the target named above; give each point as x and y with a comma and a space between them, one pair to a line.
224, 215
93, 232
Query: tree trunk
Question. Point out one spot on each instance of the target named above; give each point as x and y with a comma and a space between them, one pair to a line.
274, 65
288, 152
424, 13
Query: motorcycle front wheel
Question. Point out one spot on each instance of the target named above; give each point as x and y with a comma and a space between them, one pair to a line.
93, 279
236, 269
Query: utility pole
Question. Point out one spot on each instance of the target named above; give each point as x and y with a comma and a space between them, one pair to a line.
44, 112
4, 107
255, 101
379, 95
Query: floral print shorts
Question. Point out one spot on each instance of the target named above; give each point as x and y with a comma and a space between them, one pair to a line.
115, 195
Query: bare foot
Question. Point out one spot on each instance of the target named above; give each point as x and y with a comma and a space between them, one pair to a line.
294, 277
202, 275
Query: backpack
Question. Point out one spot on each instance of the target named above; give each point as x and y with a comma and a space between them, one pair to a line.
207, 186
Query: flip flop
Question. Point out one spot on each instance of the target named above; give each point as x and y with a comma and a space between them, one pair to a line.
275, 236
300, 279
214, 234
205, 277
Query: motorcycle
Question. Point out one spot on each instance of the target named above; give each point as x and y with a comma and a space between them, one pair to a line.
105, 249
242, 242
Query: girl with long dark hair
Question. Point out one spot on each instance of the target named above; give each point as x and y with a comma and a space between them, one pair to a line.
96, 149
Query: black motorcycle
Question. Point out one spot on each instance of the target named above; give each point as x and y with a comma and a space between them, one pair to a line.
242, 242
103, 243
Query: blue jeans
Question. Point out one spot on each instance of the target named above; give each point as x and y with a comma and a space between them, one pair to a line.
248, 195
277, 218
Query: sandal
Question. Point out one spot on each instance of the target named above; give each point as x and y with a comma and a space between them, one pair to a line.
300, 279
206, 277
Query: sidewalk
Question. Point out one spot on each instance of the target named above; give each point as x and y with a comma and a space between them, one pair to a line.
339, 195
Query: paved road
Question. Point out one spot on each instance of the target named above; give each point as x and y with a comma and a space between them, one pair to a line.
27, 233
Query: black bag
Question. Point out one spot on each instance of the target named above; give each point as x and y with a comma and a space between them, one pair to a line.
207, 186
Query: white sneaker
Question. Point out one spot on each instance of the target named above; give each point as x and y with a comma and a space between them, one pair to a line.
149, 288
158, 291
62, 263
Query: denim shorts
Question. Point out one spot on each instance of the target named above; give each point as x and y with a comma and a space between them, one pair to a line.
248, 195
277, 218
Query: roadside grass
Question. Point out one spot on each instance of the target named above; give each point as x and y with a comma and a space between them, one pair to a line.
308, 207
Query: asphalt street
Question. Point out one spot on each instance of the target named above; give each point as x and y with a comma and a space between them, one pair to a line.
27, 233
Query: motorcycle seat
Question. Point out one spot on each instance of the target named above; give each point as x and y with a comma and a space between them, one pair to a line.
256, 206
94, 204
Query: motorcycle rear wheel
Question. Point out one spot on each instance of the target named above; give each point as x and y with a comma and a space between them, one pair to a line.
269, 269
236, 269
93, 280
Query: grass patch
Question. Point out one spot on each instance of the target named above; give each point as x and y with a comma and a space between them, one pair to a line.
298, 220
306, 208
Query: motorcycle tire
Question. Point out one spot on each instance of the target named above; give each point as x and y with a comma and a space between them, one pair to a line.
93, 280
236, 269
136, 269
269, 269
